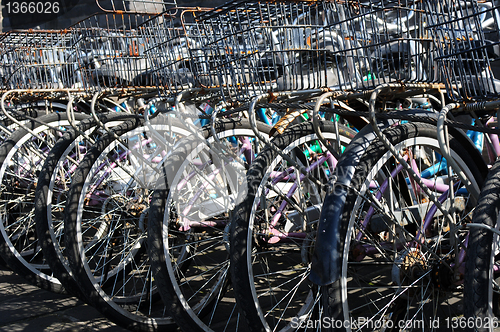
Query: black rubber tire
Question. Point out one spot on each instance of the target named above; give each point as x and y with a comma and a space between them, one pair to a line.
155, 226
478, 278
372, 154
51, 250
239, 265
20, 266
21, 113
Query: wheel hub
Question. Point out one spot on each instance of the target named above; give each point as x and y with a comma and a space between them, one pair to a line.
442, 277
409, 269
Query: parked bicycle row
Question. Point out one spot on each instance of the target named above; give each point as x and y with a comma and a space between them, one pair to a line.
277, 166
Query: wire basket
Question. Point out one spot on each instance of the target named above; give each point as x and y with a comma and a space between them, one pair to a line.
41, 59
264, 46
174, 46
110, 51
466, 40
136, 6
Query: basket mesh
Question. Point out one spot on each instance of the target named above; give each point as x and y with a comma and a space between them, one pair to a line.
466, 39
136, 6
37, 60
174, 47
110, 51
256, 47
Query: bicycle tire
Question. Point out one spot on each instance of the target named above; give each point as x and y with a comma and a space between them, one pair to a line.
137, 307
47, 224
196, 295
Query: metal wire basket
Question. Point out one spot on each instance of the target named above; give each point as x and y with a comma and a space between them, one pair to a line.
174, 46
136, 6
41, 59
265, 46
110, 51
466, 40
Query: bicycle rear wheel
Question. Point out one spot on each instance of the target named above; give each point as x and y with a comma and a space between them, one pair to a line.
482, 277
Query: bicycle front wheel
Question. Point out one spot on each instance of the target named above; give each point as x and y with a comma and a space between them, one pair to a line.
273, 229
188, 226
403, 259
52, 187
105, 225
21, 158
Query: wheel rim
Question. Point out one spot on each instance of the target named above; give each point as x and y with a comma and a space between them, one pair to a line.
24, 244
124, 279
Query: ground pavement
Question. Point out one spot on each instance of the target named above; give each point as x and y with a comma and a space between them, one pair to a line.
24, 307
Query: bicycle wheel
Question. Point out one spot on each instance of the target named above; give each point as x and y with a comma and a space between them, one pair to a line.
273, 229
482, 299
21, 159
403, 259
20, 112
51, 190
105, 226
188, 226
